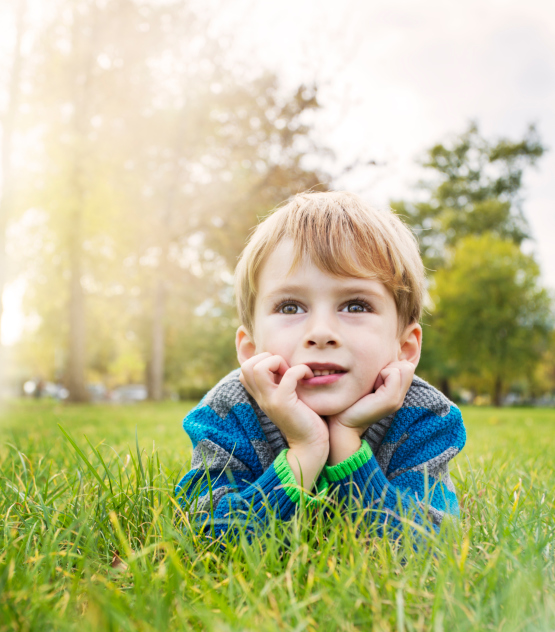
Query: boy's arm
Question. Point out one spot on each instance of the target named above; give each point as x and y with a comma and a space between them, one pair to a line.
418, 450
233, 479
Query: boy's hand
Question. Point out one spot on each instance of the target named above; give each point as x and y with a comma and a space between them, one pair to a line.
273, 384
346, 428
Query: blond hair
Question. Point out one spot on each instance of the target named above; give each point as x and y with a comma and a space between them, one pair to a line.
342, 236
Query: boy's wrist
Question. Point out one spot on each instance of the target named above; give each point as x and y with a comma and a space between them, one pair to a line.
306, 462
344, 442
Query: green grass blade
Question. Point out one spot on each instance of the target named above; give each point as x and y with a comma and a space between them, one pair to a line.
82, 456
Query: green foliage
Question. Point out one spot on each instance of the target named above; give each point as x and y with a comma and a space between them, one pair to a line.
544, 377
89, 539
489, 319
491, 313
201, 353
476, 189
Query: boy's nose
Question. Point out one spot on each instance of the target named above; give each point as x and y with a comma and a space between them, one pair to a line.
320, 334
321, 343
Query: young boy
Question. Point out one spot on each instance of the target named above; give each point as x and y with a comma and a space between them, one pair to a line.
329, 293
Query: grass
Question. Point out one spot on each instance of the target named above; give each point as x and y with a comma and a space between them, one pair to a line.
90, 541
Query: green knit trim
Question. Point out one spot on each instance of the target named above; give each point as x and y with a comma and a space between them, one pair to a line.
290, 485
286, 476
348, 466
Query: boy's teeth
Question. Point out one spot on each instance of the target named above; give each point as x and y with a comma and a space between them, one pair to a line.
317, 373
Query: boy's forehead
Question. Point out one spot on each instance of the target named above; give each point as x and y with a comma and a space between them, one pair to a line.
278, 275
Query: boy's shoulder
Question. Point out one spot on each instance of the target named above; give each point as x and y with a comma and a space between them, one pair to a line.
226, 394
425, 410
428, 416
421, 394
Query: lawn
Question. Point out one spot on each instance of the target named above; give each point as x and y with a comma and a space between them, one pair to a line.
90, 540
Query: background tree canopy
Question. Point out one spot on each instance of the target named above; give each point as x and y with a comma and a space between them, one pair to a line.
155, 160
476, 189
489, 320
491, 315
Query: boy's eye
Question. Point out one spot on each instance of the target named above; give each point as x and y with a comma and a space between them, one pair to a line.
355, 307
290, 308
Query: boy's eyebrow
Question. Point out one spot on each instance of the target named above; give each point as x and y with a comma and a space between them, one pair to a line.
354, 288
378, 294
284, 289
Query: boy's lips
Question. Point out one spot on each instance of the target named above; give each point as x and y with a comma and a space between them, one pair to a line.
336, 373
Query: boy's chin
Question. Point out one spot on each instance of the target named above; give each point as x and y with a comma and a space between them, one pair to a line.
326, 405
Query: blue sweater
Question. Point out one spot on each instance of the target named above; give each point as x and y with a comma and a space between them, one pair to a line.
239, 470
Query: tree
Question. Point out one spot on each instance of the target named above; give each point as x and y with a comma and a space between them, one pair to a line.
544, 378
476, 189
8, 122
78, 98
90, 98
491, 312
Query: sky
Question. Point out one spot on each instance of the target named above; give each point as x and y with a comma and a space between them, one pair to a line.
396, 77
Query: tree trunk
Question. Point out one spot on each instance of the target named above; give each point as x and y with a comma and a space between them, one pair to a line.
76, 362
156, 362
497, 391
6, 194
445, 387
82, 47
158, 332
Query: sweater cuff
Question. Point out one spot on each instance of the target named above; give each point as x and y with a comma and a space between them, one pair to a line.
290, 485
348, 466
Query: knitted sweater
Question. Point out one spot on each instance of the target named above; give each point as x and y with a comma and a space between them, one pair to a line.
239, 470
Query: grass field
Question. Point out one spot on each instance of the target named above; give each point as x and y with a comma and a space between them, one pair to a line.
69, 504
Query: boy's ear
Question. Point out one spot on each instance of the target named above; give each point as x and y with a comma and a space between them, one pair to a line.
244, 345
410, 344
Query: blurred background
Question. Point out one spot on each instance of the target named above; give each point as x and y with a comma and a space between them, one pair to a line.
142, 140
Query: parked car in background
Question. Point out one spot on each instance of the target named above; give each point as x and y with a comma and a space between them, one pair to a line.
129, 393
40, 388
97, 392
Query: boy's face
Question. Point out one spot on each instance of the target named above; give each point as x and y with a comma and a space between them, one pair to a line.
346, 325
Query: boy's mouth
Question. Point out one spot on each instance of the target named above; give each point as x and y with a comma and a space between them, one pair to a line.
323, 374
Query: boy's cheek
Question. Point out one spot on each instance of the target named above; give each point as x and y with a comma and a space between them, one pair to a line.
275, 348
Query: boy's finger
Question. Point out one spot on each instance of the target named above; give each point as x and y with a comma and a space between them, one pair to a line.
292, 376
247, 366
379, 382
407, 373
386, 371
392, 379
265, 371
247, 372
